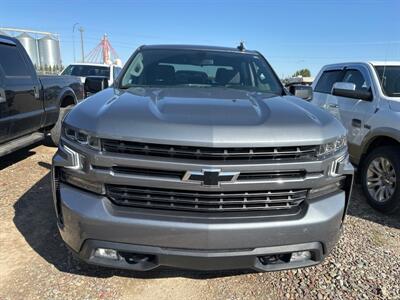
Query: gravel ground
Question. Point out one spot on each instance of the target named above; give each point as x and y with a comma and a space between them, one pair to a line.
34, 263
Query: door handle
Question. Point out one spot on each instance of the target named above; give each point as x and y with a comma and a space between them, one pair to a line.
332, 105
2, 96
36, 92
356, 123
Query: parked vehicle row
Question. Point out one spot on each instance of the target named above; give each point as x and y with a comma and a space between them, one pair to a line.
30, 105
197, 157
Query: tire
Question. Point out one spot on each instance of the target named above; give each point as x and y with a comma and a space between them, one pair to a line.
55, 132
387, 160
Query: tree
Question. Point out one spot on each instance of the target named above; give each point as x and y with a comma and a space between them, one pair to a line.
302, 73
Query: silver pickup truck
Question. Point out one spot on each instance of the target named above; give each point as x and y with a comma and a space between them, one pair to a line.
366, 98
198, 158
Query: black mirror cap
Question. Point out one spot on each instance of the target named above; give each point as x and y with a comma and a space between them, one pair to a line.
94, 84
302, 91
365, 95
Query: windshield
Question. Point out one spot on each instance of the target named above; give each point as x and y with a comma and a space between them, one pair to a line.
174, 67
389, 78
85, 70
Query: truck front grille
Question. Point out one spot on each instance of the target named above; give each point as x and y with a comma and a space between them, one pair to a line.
209, 153
154, 198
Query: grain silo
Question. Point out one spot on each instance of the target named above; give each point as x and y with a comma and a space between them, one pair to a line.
49, 51
30, 45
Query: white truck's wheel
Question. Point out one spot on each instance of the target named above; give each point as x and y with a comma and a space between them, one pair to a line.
380, 175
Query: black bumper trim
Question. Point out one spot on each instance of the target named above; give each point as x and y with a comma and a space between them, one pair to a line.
199, 259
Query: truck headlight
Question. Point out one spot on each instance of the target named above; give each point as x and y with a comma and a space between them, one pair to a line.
333, 147
81, 137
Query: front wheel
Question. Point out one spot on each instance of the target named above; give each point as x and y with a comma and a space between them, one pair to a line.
380, 175
55, 132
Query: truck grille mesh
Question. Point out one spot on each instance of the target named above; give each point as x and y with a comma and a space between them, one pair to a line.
204, 201
209, 153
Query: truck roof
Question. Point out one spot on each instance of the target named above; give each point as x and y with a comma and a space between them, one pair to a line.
5, 39
198, 47
90, 64
385, 63
372, 63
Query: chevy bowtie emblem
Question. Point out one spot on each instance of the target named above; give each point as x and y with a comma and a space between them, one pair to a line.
210, 177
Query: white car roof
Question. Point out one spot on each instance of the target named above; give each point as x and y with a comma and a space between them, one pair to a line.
385, 63
90, 64
373, 63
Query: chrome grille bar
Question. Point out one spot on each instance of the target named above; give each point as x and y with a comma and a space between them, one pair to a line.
209, 153
204, 201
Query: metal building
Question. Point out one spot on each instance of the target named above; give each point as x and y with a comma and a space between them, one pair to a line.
31, 47
49, 51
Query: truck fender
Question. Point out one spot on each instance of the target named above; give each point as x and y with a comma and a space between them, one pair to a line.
380, 132
66, 92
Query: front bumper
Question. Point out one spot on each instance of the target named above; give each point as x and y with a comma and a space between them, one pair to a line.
153, 257
203, 241
91, 221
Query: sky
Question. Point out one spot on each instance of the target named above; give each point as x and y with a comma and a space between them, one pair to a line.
291, 34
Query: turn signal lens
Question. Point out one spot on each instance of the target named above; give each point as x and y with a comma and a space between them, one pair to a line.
79, 182
326, 189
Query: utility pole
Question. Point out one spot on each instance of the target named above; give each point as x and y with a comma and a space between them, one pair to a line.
73, 40
83, 52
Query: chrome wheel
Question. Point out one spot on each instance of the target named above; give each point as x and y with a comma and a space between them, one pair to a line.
381, 179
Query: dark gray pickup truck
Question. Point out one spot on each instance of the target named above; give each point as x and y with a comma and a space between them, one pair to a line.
30, 105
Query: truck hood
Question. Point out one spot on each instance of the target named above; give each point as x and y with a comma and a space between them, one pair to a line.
204, 117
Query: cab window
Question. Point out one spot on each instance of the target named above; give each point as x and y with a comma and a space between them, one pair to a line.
356, 77
12, 62
327, 80
389, 78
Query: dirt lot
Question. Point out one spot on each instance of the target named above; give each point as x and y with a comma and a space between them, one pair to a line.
35, 264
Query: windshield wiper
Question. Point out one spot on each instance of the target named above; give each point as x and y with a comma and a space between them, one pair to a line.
250, 89
194, 84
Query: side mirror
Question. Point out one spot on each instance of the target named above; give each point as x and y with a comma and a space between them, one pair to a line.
94, 84
348, 90
302, 91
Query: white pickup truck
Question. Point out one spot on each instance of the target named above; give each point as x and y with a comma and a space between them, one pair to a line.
365, 96
84, 70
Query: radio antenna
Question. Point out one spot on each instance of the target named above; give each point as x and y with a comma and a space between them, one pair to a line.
241, 46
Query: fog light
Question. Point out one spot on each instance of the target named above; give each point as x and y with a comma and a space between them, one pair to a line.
106, 253
300, 256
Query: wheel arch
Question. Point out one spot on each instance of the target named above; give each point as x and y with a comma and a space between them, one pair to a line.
380, 137
67, 97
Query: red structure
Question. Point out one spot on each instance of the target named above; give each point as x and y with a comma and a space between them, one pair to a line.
102, 53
